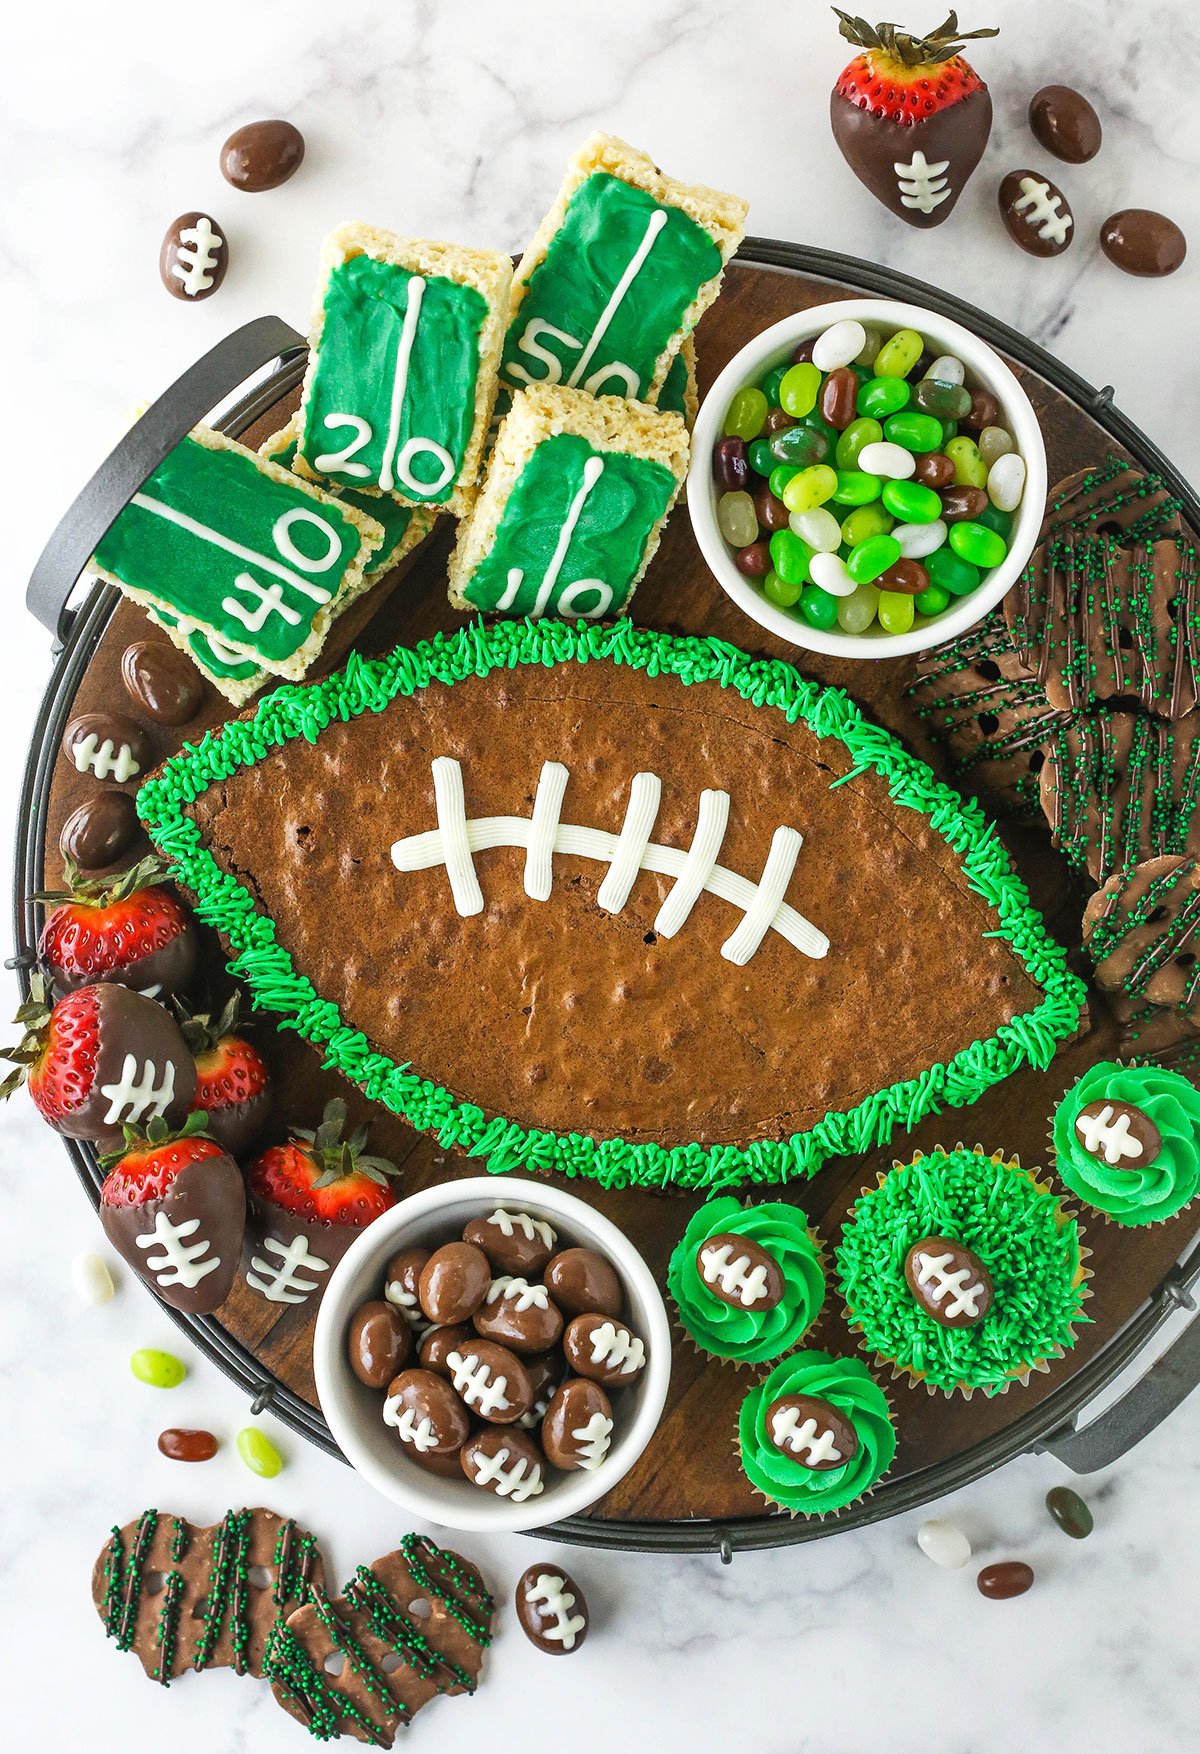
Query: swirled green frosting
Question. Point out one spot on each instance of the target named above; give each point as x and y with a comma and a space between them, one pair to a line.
1134, 1193
846, 1384
751, 1336
1020, 1231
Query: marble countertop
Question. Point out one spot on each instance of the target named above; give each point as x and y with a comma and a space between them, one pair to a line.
454, 120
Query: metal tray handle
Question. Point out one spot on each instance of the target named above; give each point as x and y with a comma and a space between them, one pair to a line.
149, 440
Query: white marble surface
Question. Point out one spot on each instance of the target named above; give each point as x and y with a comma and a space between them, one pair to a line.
455, 119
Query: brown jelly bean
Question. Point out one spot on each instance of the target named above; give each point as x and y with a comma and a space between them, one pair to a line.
934, 469
771, 513
731, 465
778, 420
803, 350
1064, 122
379, 1341
839, 396
453, 1282
181, 1445
162, 682
103, 828
960, 503
1012, 1577
262, 155
907, 576
984, 411
754, 560
1143, 242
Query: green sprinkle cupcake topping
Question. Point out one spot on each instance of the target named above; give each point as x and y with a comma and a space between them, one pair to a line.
1021, 1233
847, 1385
754, 1335
1128, 1184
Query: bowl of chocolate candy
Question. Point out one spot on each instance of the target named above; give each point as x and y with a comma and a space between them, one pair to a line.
492, 1354
868, 478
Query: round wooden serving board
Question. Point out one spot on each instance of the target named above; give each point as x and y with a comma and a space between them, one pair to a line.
690, 1469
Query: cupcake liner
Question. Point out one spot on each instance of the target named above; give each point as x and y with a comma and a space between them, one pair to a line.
692, 1344
792, 1511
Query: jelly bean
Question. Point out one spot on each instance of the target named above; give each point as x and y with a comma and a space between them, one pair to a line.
1006, 481
1001, 1582
904, 575
746, 414
868, 353
949, 431
777, 421
898, 356
1070, 1512
754, 560
984, 411
994, 442
770, 385
947, 369
944, 1543
798, 391
779, 477
856, 487
947, 401
762, 459
984, 548
887, 459
883, 396
959, 503
918, 540
913, 431
839, 345
860, 432
957, 576
896, 611
91, 1278
910, 502
970, 470
867, 520
731, 465
810, 488
790, 557
770, 511
803, 350
934, 469
932, 600
781, 593
870, 558
181, 1445
829, 571
857, 612
817, 607
995, 519
798, 445
160, 1370
736, 519
839, 398
819, 528
258, 1452
814, 423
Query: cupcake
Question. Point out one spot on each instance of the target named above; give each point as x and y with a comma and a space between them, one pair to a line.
962, 1271
1127, 1141
816, 1434
748, 1281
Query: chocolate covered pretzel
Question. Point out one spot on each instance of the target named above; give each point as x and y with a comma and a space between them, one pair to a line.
1118, 789
1142, 931
1114, 499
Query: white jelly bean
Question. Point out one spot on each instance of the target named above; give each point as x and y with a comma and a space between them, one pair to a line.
858, 611
1006, 482
91, 1278
947, 369
839, 345
918, 540
890, 460
819, 528
944, 1543
994, 442
829, 571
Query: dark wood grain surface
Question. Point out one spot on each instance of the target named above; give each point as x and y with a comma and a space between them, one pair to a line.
689, 1469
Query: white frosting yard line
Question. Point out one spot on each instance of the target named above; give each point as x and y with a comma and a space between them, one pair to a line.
657, 222
206, 534
408, 335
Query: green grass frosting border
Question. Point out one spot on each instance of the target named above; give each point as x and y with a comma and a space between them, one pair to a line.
370, 685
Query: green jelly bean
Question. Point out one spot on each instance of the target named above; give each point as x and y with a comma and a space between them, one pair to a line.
762, 459
746, 415
970, 470
946, 401
798, 389
949, 430
932, 600
913, 431
867, 521
856, 487
779, 477
810, 488
258, 1452
863, 373
817, 607
790, 556
946, 569
897, 357
984, 548
780, 592
995, 519
798, 445
161, 1370
1070, 1512
814, 423
868, 559
897, 611
910, 502
883, 396
770, 385
860, 432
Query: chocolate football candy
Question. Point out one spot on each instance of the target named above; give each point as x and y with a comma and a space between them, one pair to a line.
262, 155
425, 1412
546, 1372
812, 1432
492, 1381
1036, 213
1118, 1134
551, 1610
606, 1351
948, 1281
401, 1284
378, 1341
519, 1315
162, 681
577, 1429
108, 746
580, 1280
505, 1462
453, 1282
193, 257
102, 829
739, 1272
514, 1242
1142, 242
438, 1343
1064, 122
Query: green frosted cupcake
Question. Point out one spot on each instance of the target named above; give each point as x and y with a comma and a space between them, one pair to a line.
816, 1434
748, 1281
963, 1271
1127, 1141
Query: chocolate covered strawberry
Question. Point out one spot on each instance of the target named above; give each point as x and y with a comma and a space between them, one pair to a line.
99, 1059
232, 1081
911, 116
174, 1206
128, 929
309, 1198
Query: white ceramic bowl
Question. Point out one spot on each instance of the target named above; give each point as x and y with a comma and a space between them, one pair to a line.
355, 1413
985, 370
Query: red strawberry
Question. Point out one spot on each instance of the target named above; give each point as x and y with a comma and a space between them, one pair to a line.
232, 1081
174, 1205
99, 1058
911, 116
126, 929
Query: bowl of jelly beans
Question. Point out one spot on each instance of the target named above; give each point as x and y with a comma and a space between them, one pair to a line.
868, 479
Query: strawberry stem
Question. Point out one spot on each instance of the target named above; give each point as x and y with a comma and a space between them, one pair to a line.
914, 51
